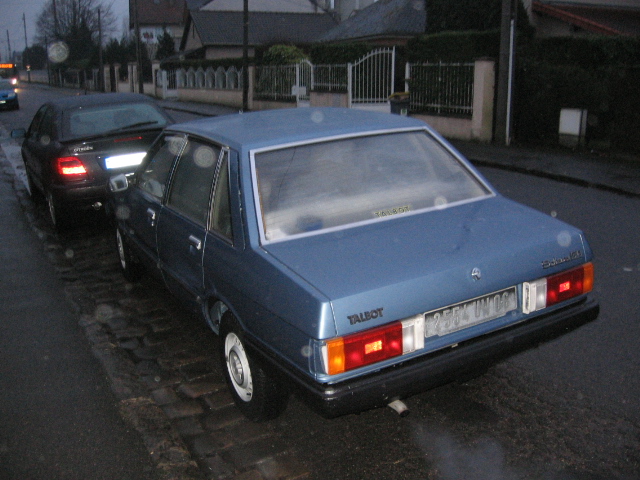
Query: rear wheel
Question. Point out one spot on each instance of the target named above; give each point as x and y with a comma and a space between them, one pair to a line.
258, 396
131, 269
57, 213
34, 193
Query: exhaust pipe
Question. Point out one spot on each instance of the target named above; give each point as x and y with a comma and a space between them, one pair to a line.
399, 407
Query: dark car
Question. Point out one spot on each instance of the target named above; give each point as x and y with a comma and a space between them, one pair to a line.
353, 257
8, 95
74, 144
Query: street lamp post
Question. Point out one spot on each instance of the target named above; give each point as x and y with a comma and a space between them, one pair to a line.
245, 56
506, 66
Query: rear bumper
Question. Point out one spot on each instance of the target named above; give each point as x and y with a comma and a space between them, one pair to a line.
420, 374
79, 196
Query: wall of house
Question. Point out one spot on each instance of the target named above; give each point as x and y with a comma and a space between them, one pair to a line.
193, 40
226, 52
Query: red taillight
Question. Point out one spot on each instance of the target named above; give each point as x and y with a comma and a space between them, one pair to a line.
70, 166
548, 291
359, 349
569, 284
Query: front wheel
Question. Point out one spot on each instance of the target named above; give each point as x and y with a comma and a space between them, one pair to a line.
258, 396
131, 270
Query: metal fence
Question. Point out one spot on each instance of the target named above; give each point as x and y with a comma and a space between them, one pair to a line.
74, 78
441, 88
331, 78
371, 79
276, 82
435, 88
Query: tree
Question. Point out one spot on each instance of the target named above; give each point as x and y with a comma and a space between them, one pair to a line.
283, 55
166, 45
78, 23
35, 56
123, 52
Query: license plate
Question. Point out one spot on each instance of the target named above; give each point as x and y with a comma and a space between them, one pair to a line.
471, 312
126, 160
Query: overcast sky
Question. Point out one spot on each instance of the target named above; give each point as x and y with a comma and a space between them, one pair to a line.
11, 12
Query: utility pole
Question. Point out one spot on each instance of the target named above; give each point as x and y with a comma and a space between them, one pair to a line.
100, 63
245, 56
55, 21
25, 58
136, 26
506, 66
9, 47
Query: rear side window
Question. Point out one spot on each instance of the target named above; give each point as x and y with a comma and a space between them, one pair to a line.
32, 134
192, 181
154, 174
221, 208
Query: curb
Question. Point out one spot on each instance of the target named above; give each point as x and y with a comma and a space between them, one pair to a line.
554, 176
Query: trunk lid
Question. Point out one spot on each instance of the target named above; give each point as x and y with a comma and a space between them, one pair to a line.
397, 268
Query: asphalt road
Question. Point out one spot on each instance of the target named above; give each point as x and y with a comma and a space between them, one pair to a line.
58, 417
569, 410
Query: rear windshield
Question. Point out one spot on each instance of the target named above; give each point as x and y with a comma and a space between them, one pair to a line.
6, 84
103, 119
327, 185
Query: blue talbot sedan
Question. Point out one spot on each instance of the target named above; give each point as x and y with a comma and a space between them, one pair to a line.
350, 257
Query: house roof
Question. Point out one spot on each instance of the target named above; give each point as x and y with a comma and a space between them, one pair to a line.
158, 12
603, 20
226, 28
384, 18
196, 4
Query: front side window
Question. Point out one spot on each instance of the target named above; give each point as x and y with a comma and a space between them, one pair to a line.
326, 185
193, 179
154, 174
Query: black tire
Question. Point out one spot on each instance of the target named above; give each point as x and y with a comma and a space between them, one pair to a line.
34, 193
57, 213
131, 269
258, 396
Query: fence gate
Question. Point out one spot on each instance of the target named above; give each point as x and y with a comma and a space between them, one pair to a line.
167, 80
304, 82
371, 80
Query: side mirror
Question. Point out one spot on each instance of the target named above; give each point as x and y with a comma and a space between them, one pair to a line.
118, 183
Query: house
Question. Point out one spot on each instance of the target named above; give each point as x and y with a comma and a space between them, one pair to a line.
384, 22
584, 17
156, 16
215, 30
343, 9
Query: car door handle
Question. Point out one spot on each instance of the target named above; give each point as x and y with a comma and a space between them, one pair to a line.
151, 215
195, 242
